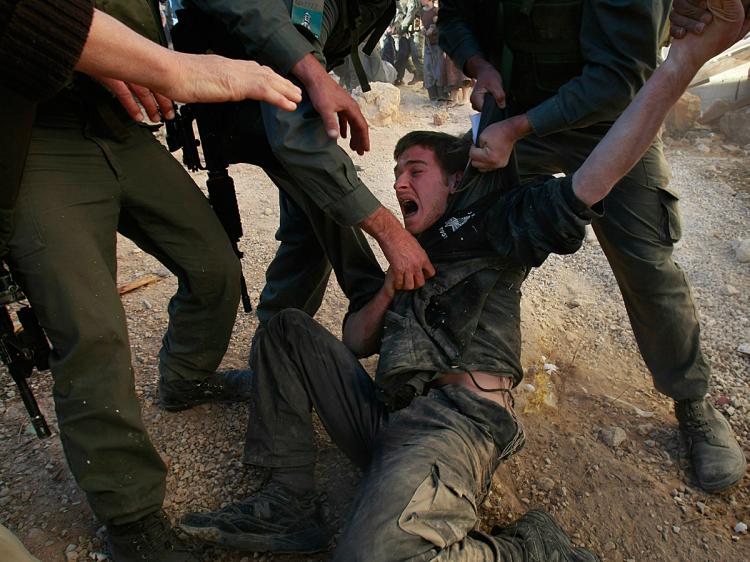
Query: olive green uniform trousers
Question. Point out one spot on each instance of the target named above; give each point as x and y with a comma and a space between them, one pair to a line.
640, 225
78, 190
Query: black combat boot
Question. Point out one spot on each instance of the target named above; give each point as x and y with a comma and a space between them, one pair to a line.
717, 459
273, 519
536, 537
225, 386
150, 539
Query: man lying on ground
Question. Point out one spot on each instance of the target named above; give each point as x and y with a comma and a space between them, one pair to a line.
432, 428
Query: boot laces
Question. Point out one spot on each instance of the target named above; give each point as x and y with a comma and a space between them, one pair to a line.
155, 531
696, 422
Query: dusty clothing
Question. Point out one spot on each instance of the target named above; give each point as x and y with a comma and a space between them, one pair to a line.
428, 451
429, 464
601, 53
468, 316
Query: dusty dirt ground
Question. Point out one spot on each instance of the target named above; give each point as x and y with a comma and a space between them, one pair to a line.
603, 452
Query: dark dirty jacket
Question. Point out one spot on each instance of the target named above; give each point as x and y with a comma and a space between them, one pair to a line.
467, 317
262, 30
576, 63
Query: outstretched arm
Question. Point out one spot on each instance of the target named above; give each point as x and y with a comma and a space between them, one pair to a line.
635, 129
117, 55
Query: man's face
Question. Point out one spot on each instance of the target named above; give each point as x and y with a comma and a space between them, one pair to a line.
421, 188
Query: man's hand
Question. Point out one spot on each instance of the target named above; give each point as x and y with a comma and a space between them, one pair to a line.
409, 263
495, 144
211, 78
729, 25
120, 58
155, 105
688, 16
389, 284
692, 16
335, 106
487, 80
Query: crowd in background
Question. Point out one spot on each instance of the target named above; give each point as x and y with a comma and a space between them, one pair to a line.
411, 44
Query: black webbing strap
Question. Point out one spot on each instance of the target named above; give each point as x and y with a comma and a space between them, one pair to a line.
353, 17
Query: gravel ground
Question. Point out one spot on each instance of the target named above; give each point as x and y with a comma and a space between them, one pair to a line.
603, 452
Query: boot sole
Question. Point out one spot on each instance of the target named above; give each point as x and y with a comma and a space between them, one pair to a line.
725, 484
306, 542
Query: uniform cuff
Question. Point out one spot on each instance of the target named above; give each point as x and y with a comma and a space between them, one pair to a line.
547, 118
354, 207
579, 208
285, 48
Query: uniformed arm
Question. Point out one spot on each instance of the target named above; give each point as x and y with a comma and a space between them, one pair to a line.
457, 34
531, 222
619, 44
327, 175
265, 30
263, 27
635, 129
363, 330
458, 38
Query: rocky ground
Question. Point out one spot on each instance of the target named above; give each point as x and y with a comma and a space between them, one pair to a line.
603, 452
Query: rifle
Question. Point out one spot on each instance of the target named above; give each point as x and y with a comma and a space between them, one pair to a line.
23, 349
221, 192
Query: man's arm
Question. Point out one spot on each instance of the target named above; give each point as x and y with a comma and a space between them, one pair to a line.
363, 330
266, 32
620, 45
457, 35
263, 27
693, 16
458, 38
533, 221
327, 175
128, 63
635, 129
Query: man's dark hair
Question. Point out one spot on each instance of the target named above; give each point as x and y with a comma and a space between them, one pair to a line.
452, 153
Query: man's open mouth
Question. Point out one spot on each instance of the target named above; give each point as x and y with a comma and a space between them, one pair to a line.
408, 207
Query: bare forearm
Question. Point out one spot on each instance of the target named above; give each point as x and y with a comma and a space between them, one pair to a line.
114, 50
475, 65
633, 132
381, 225
363, 330
309, 70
